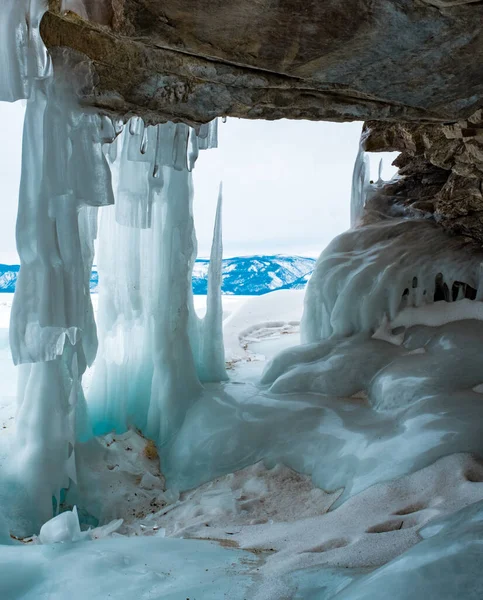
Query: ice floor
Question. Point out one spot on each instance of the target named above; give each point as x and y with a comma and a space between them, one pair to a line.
266, 496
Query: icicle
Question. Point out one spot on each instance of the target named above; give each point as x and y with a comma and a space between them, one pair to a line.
360, 185
212, 353
180, 147
134, 125
132, 200
118, 126
208, 135
144, 142
193, 149
173, 389
380, 181
147, 247
65, 176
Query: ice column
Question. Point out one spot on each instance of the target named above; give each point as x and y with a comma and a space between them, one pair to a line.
148, 372
65, 177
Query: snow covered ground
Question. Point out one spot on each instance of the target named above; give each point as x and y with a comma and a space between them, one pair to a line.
232, 509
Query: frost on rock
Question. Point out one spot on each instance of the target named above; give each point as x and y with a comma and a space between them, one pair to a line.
148, 372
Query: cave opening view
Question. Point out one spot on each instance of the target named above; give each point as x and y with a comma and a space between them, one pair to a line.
241, 300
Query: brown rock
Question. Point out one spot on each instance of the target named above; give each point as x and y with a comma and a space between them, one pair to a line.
192, 60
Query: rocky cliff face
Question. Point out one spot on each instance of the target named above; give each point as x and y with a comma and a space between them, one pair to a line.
441, 169
193, 60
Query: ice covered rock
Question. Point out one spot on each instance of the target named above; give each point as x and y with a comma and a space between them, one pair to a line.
374, 272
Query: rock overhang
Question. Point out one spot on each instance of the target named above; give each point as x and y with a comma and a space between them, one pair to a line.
194, 60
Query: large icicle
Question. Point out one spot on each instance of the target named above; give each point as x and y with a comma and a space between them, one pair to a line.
210, 354
52, 330
175, 386
360, 185
146, 374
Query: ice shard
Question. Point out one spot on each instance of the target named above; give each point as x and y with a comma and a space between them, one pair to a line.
208, 337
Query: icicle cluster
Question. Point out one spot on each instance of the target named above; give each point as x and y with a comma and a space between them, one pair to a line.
148, 374
151, 342
370, 274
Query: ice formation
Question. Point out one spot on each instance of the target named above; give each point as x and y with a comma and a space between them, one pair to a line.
371, 273
149, 367
52, 332
75, 161
379, 405
360, 185
208, 332
23, 56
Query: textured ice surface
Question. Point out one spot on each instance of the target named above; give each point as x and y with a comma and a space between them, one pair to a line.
23, 55
125, 568
374, 272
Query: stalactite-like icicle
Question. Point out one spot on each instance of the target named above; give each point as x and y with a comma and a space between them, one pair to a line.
380, 180
360, 186
208, 135
175, 385
211, 351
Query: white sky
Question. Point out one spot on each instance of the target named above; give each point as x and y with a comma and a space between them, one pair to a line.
286, 184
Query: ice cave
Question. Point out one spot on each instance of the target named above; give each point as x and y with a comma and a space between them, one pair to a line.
315, 443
